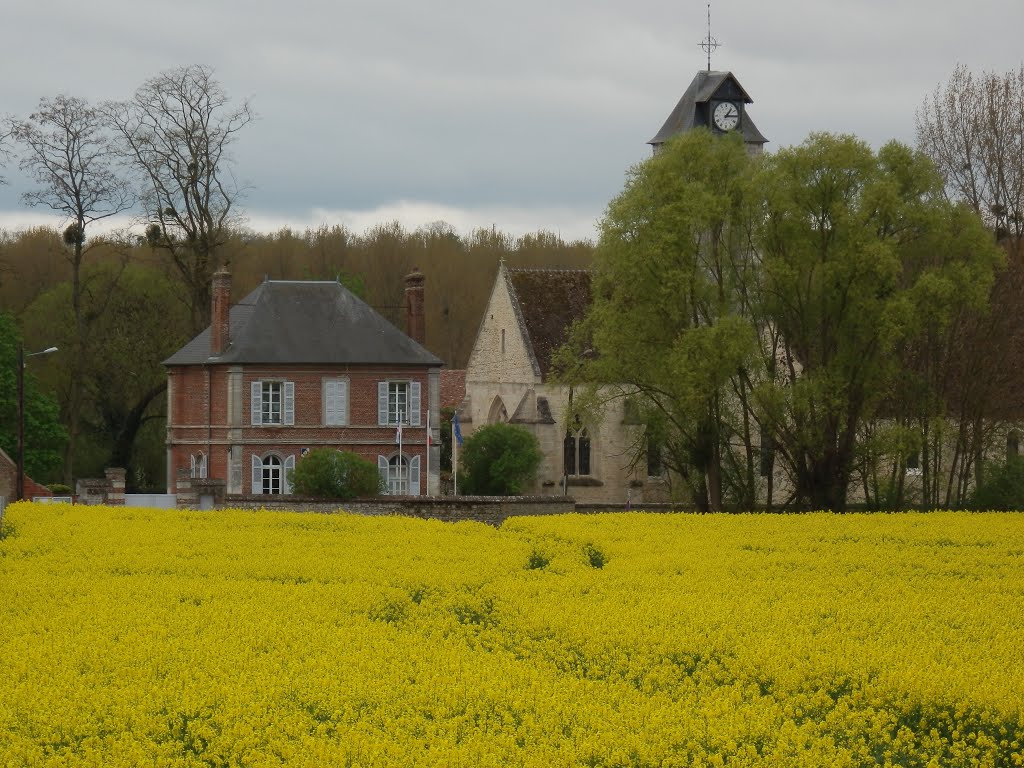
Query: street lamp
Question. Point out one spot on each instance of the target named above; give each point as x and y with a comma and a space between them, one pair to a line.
20, 480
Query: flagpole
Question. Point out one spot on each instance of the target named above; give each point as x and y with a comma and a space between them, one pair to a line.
400, 465
455, 462
428, 453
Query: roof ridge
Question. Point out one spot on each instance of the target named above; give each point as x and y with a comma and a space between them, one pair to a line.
549, 269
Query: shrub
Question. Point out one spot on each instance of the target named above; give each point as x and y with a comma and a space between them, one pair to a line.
537, 560
328, 473
1003, 488
500, 460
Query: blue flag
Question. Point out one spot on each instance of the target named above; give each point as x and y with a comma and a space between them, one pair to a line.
456, 429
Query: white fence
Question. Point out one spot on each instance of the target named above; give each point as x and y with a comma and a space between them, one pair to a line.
157, 500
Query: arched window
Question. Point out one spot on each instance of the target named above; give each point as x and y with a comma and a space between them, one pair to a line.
1012, 444
198, 465
401, 474
270, 474
498, 414
576, 452
398, 476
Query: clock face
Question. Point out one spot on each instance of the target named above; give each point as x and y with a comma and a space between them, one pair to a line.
726, 116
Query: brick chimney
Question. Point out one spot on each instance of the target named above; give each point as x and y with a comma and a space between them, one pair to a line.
220, 290
415, 322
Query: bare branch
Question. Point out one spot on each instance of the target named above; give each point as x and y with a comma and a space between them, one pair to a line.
176, 131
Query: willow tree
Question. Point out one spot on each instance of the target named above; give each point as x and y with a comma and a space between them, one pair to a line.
670, 324
861, 254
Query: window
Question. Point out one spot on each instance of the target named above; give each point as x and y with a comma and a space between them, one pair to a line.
914, 464
767, 452
498, 413
654, 466
198, 465
273, 402
335, 399
401, 474
398, 402
576, 452
270, 474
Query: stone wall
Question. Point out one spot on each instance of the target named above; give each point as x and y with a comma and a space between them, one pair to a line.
493, 510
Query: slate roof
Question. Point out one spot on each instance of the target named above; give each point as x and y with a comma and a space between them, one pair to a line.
547, 302
702, 88
291, 322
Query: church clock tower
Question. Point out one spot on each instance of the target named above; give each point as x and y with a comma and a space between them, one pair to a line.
714, 100
717, 101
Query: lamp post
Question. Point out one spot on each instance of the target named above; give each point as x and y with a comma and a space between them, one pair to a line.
20, 479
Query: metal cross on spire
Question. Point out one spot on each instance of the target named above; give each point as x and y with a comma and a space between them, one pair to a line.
710, 43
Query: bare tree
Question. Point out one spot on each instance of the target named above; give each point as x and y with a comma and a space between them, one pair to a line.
973, 128
67, 149
5, 133
176, 132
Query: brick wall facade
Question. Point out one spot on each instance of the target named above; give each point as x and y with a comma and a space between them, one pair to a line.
210, 414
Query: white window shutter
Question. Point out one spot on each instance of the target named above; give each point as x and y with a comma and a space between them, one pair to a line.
192, 458
335, 402
414, 403
289, 466
289, 402
382, 467
202, 465
330, 395
382, 403
257, 475
257, 403
414, 476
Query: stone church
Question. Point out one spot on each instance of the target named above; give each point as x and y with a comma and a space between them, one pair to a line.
527, 318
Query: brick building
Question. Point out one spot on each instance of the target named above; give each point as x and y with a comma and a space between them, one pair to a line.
298, 365
9, 481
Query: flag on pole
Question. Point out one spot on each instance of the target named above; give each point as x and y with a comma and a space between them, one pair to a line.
456, 430
398, 434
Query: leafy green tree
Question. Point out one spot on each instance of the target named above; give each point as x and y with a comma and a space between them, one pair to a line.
670, 320
333, 474
500, 460
860, 254
44, 434
138, 320
1003, 489
741, 302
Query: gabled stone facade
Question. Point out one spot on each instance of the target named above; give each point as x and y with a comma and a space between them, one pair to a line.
508, 379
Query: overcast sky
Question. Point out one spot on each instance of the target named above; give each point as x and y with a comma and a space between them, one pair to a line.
524, 115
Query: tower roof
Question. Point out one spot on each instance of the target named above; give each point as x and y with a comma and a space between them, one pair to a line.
705, 86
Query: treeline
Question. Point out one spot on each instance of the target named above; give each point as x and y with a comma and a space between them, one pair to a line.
136, 312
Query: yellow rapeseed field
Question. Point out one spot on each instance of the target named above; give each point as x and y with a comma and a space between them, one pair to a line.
140, 637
